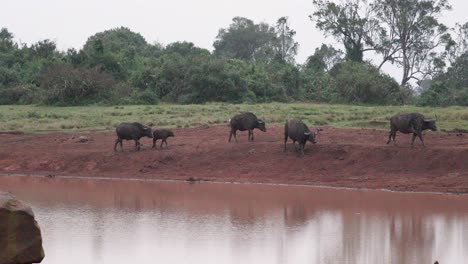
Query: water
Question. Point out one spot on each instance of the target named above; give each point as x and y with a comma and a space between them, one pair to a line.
115, 221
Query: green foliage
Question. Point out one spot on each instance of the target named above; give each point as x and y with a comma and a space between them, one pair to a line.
450, 88
18, 94
324, 59
245, 40
260, 43
251, 63
64, 84
363, 83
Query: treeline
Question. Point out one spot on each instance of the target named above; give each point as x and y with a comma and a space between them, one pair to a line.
250, 63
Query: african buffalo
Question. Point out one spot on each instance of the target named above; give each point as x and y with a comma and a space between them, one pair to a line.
298, 131
245, 121
410, 123
162, 134
131, 131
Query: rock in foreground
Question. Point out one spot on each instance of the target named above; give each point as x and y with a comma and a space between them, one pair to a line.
20, 235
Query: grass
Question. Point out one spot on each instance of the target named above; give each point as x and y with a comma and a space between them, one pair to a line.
42, 118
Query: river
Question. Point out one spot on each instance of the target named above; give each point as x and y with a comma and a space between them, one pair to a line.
132, 221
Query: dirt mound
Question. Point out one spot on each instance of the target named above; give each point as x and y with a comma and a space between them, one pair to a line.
342, 157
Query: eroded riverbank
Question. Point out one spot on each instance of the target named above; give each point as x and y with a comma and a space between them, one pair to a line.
355, 158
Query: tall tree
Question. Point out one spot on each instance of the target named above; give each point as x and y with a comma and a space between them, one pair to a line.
349, 21
460, 42
410, 35
287, 47
245, 40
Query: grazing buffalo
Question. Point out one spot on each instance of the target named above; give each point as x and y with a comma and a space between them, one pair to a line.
161, 134
298, 131
245, 121
410, 123
131, 131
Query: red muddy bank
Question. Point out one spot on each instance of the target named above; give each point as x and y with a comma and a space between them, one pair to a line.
357, 158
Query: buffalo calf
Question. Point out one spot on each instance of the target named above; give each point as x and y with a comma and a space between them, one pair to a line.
162, 134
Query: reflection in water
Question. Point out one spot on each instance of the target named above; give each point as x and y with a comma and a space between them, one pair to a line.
110, 221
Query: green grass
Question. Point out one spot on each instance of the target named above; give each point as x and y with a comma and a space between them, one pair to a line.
43, 118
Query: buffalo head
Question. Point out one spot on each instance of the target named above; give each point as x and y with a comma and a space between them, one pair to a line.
430, 124
261, 125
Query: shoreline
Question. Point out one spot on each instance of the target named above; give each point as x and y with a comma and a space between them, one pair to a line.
100, 178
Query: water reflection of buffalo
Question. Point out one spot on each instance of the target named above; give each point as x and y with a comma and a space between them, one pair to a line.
410, 123
131, 131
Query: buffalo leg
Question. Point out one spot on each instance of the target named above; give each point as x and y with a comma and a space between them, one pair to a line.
421, 138
251, 135
162, 142
390, 136
301, 146
117, 141
137, 144
235, 136
285, 141
154, 143
233, 133
412, 139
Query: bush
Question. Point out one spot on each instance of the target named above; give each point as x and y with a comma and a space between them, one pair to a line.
363, 83
65, 84
19, 94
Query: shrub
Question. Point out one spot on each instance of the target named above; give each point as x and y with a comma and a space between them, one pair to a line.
19, 94
68, 85
363, 83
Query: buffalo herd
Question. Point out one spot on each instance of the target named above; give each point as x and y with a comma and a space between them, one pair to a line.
296, 130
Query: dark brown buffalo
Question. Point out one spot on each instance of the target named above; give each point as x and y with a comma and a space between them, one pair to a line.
162, 134
245, 121
410, 123
131, 131
298, 131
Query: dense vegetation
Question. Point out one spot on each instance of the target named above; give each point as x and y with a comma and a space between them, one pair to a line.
253, 63
83, 118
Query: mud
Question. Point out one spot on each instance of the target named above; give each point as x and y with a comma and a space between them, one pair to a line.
356, 158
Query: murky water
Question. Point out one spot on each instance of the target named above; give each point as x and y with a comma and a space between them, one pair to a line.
113, 221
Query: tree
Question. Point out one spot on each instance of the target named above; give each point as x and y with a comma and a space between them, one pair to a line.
324, 58
246, 40
7, 49
44, 49
410, 34
459, 46
115, 51
185, 49
450, 87
349, 22
286, 47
